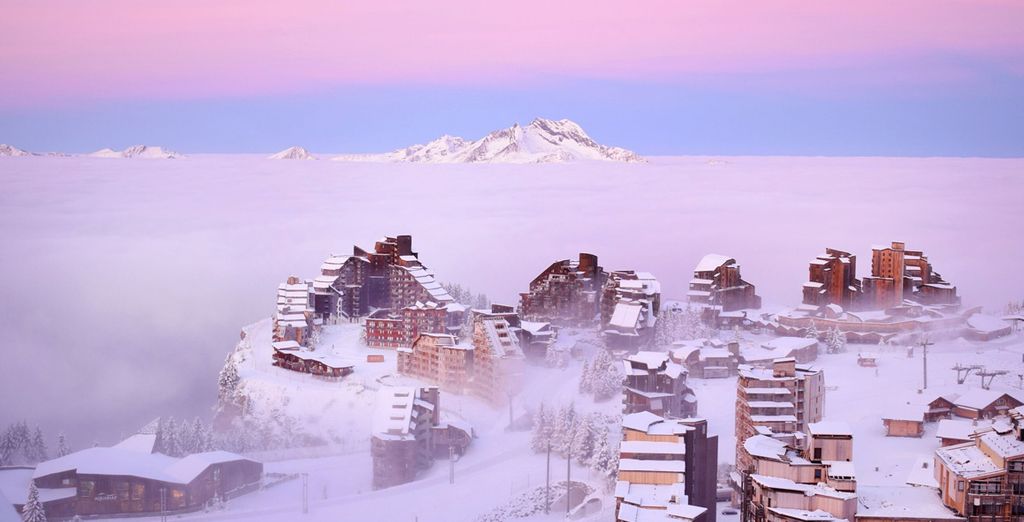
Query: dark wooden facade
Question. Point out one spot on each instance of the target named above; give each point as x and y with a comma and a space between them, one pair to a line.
102, 494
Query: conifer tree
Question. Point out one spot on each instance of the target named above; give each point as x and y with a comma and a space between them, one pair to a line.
62, 445
33, 511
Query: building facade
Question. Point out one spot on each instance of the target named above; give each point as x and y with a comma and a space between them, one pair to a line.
657, 384
717, 284
567, 293
390, 276
117, 481
983, 479
898, 274
630, 304
833, 280
666, 466
778, 402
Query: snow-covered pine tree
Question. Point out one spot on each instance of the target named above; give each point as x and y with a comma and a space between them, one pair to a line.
170, 438
572, 425
7, 447
812, 331
62, 445
607, 383
583, 439
835, 340
584, 386
33, 511
601, 457
482, 301
38, 445
541, 431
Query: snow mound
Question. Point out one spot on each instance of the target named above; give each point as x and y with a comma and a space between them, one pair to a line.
137, 151
293, 153
12, 151
542, 141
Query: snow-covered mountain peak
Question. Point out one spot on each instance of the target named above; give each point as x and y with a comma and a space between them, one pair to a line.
294, 153
541, 141
11, 151
137, 151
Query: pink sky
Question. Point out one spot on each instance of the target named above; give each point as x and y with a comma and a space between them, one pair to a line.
60, 51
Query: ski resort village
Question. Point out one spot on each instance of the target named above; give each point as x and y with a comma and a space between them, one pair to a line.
374, 387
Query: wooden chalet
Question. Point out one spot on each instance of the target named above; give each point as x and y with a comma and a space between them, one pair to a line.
290, 356
117, 481
906, 421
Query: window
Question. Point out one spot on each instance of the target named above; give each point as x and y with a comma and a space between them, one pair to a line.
817, 474
86, 488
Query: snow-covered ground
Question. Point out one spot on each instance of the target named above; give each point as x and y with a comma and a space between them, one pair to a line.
500, 466
132, 278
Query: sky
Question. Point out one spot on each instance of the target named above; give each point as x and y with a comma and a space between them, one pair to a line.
916, 77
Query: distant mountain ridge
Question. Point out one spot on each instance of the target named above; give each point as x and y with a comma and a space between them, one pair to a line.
137, 151
12, 151
542, 141
293, 153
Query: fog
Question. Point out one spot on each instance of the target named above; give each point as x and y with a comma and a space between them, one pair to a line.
125, 282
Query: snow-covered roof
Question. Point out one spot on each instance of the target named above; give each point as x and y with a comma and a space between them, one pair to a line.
188, 468
14, 484
653, 424
7, 511
711, 262
904, 412
978, 398
141, 442
1005, 446
841, 469
804, 515
834, 428
923, 473
650, 360
902, 502
967, 460
807, 489
765, 447
787, 344
126, 462
955, 429
626, 315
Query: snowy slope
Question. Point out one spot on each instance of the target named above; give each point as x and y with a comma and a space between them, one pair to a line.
293, 153
542, 141
137, 151
10, 151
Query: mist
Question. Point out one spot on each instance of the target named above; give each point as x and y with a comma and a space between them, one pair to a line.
126, 282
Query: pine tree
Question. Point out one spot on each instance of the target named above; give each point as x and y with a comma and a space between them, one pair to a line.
62, 445
228, 380
583, 440
33, 511
38, 445
200, 437
8, 447
541, 431
585, 384
170, 438
601, 458
812, 332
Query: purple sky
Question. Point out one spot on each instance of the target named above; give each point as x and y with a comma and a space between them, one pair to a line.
85, 73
